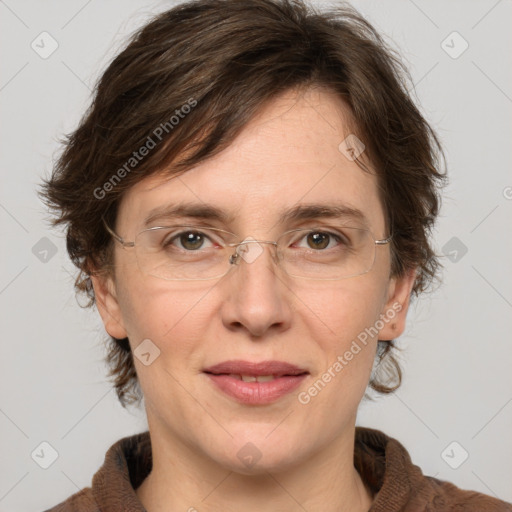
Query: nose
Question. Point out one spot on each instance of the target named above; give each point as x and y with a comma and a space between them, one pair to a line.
257, 298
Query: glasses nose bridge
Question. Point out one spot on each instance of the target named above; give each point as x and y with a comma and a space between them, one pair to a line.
235, 257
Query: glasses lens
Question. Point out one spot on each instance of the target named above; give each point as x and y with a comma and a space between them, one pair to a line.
183, 252
328, 253
197, 253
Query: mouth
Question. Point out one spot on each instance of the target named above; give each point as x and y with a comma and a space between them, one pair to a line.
254, 378
253, 383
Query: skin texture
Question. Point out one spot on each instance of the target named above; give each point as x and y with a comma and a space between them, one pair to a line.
286, 155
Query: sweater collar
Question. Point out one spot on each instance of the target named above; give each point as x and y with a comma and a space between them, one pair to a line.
382, 462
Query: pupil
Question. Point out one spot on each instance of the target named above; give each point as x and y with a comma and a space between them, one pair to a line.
191, 240
320, 240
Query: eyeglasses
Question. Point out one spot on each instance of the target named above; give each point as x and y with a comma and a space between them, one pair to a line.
194, 253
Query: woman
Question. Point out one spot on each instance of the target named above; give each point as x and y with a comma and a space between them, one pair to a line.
249, 200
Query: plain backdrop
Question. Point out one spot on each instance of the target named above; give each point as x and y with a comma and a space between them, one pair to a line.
457, 348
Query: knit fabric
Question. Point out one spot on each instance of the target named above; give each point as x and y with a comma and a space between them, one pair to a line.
383, 463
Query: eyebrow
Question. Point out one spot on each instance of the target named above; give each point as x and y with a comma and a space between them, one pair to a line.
295, 213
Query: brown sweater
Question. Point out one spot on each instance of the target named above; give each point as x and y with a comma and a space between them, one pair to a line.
383, 463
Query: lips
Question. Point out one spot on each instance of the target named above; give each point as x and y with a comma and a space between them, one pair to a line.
276, 368
255, 383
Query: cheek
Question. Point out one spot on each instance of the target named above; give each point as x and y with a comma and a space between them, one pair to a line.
342, 311
176, 321
345, 346
169, 314
342, 321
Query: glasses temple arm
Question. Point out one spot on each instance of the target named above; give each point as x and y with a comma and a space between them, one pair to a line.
123, 242
384, 241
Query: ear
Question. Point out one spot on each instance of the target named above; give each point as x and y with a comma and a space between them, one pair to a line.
108, 305
395, 310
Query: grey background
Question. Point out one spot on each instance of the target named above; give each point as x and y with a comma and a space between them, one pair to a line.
457, 347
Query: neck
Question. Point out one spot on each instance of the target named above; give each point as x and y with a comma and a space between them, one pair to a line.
183, 480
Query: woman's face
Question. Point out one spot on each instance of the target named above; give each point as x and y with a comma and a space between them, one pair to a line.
287, 157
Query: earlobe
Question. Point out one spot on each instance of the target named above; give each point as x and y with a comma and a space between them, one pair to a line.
108, 306
395, 310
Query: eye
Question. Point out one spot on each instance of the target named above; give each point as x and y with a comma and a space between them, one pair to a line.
320, 240
191, 240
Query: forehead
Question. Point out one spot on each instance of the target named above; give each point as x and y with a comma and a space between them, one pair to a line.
286, 156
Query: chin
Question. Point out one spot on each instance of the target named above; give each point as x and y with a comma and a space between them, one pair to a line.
260, 453
274, 465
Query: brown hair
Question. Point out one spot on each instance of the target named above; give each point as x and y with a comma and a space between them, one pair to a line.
186, 85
